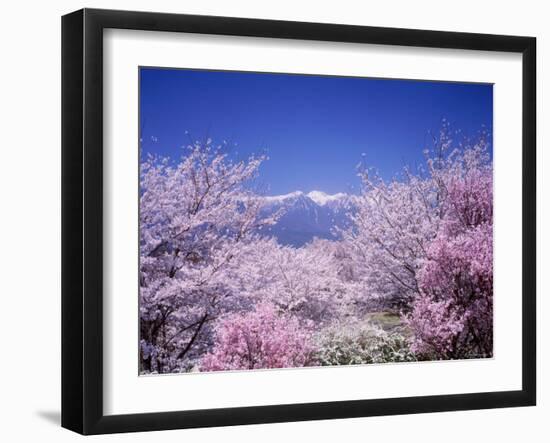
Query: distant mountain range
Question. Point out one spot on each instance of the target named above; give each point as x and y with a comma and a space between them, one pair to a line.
306, 216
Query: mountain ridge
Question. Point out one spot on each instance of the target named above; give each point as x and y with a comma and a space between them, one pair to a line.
306, 216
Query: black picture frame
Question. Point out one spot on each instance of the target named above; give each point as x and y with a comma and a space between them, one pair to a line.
82, 215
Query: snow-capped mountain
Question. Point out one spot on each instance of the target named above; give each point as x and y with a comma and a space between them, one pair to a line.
306, 216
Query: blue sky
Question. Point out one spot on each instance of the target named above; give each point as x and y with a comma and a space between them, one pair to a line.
315, 129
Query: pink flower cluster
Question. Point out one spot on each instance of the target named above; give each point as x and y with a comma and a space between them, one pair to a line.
259, 339
452, 316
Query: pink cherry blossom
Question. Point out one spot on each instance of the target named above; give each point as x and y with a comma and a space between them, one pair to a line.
260, 339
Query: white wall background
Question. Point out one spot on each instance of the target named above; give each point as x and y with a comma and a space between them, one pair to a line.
30, 219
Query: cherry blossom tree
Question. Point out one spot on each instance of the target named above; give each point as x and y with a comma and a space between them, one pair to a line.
302, 281
452, 315
423, 245
392, 227
394, 223
195, 218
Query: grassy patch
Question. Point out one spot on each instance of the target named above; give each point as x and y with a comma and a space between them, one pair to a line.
388, 321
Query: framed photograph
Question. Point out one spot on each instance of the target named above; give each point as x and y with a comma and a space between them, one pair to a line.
269, 221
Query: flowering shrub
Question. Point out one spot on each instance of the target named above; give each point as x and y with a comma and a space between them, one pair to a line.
259, 339
360, 344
